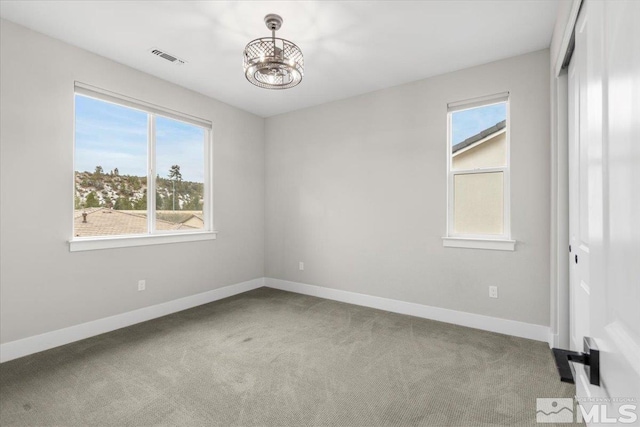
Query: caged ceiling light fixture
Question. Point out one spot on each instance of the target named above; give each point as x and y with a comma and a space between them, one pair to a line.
272, 62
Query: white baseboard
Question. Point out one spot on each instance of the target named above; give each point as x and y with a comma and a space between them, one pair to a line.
477, 321
23, 347
553, 339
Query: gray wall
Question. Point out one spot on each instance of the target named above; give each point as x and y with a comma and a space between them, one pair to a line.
357, 190
44, 287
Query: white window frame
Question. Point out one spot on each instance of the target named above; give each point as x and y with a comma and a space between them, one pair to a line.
479, 241
152, 236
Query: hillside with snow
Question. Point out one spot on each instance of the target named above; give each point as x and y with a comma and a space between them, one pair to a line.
129, 192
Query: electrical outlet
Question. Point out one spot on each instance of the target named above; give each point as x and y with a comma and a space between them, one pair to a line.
301, 266
493, 292
142, 285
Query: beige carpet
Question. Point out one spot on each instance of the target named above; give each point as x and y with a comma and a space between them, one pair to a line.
275, 358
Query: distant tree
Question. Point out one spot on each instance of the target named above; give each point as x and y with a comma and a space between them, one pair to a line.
174, 173
193, 204
92, 200
159, 202
122, 204
174, 176
135, 183
170, 203
141, 203
116, 172
98, 172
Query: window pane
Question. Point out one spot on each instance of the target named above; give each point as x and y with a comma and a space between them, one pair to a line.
110, 169
180, 177
478, 203
479, 138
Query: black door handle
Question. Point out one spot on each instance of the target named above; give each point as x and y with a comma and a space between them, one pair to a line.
576, 258
590, 358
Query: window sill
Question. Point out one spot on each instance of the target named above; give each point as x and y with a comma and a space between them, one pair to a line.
108, 242
469, 243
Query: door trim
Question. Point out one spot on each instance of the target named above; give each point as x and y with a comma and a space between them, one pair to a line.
559, 266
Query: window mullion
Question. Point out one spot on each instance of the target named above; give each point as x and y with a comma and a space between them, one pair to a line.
151, 181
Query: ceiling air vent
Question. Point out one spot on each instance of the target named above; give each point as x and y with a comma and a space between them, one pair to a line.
168, 57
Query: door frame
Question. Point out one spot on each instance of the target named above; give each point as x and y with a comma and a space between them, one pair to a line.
559, 238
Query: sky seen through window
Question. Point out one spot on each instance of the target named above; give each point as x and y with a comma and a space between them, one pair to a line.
114, 136
466, 123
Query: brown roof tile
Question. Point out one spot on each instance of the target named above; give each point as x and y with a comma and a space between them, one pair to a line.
111, 222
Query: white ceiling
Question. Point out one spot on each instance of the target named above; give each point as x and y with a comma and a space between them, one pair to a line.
350, 47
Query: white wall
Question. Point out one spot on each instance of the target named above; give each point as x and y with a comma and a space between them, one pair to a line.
357, 190
43, 286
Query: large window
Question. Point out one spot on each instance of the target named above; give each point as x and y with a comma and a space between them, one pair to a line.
478, 172
140, 171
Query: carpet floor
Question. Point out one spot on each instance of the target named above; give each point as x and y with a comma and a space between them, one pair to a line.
274, 358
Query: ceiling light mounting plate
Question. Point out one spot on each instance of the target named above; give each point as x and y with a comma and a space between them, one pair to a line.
273, 21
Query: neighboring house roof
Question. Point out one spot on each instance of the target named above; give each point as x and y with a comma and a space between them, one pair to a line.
109, 222
195, 221
480, 136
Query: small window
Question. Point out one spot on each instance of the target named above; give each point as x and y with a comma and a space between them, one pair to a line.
478, 169
139, 170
